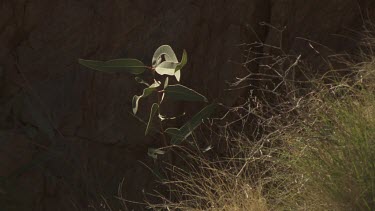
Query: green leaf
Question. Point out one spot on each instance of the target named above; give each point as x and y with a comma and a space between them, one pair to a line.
154, 109
166, 82
180, 92
166, 68
146, 92
183, 62
132, 66
177, 74
178, 135
174, 132
165, 85
141, 81
155, 152
168, 53
170, 66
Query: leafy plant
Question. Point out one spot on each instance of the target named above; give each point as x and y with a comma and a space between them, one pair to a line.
164, 63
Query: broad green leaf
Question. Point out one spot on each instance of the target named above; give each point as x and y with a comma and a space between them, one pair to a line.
146, 92
132, 66
141, 81
173, 132
177, 74
168, 53
166, 82
155, 152
135, 101
178, 135
165, 85
166, 68
154, 109
169, 68
183, 62
180, 92
171, 62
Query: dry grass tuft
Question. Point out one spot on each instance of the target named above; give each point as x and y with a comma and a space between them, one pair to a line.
312, 146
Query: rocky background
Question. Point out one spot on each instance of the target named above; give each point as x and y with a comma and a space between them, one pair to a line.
66, 133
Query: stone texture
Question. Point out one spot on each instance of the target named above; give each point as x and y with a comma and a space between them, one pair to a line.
92, 141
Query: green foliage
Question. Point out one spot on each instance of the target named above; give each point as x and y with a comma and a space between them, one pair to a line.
167, 52
164, 63
141, 81
132, 66
154, 109
178, 135
170, 66
179, 92
180, 66
155, 152
146, 92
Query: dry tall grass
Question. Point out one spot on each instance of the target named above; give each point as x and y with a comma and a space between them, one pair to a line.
313, 147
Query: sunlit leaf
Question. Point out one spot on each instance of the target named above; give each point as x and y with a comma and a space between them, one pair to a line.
132, 66
152, 152
146, 92
154, 109
173, 131
166, 82
183, 61
141, 81
177, 74
178, 135
165, 85
180, 92
167, 52
166, 68
162, 118
170, 66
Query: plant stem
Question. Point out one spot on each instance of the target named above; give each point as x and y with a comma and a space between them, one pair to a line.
165, 140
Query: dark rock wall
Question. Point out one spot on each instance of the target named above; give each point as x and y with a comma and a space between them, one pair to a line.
66, 133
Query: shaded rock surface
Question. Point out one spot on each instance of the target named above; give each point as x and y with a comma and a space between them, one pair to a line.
66, 133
